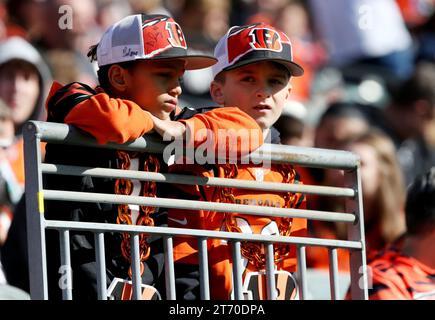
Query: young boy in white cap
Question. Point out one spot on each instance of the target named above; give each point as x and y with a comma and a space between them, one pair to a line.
253, 71
140, 59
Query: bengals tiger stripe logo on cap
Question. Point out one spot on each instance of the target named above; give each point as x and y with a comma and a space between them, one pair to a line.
176, 36
143, 36
242, 40
265, 39
242, 45
161, 34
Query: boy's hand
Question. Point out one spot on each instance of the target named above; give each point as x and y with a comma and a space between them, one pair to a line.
168, 128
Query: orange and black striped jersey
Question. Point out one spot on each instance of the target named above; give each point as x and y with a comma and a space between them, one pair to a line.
400, 277
120, 120
219, 252
105, 118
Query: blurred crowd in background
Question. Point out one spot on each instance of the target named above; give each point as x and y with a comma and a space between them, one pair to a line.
368, 87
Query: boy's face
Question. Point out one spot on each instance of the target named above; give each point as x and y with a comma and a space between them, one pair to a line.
155, 85
19, 88
260, 89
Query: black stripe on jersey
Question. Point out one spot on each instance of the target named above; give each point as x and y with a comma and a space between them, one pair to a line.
59, 108
377, 287
188, 113
302, 197
63, 107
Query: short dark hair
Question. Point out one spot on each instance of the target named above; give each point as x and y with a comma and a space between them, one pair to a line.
418, 87
345, 109
420, 204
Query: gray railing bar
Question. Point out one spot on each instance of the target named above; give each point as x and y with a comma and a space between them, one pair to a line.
270, 272
312, 157
135, 267
65, 261
302, 271
105, 227
304, 156
237, 270
66, 134
191, 180
203, 269
169, 268
101, 266
197, 205
333, 273
35, 214
355, 232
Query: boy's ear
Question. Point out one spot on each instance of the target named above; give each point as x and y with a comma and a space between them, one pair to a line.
117, 77
289, 90
216, 92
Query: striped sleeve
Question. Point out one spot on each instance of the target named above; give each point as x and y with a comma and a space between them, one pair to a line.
228, 129
107, 119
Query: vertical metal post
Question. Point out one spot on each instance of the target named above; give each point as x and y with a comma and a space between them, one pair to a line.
270, 272
35, 214
333, 273
65, 260
302, 270
203, 269
169, 268
237, 270
135, 267
101, 266
355, 232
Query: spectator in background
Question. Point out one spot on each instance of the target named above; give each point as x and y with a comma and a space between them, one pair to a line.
24, 78
110, 11
365, 33
407, 273
265, 11
341, 122
70, 25
23, 84
415, 12
291, 125
68, 66
205, 21
294, 19
148, 6
10, 193
10, 190
383, 194
410, 121
23, 18
383, 190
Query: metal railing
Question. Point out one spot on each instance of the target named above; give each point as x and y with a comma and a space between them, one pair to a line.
36, 132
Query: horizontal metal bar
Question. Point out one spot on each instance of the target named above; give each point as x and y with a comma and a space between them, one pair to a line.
61, 133
104, 227
311, 157
191, 180
304, 156
197, 205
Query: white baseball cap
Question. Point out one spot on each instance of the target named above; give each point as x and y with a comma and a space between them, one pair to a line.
243, 45
143, 36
